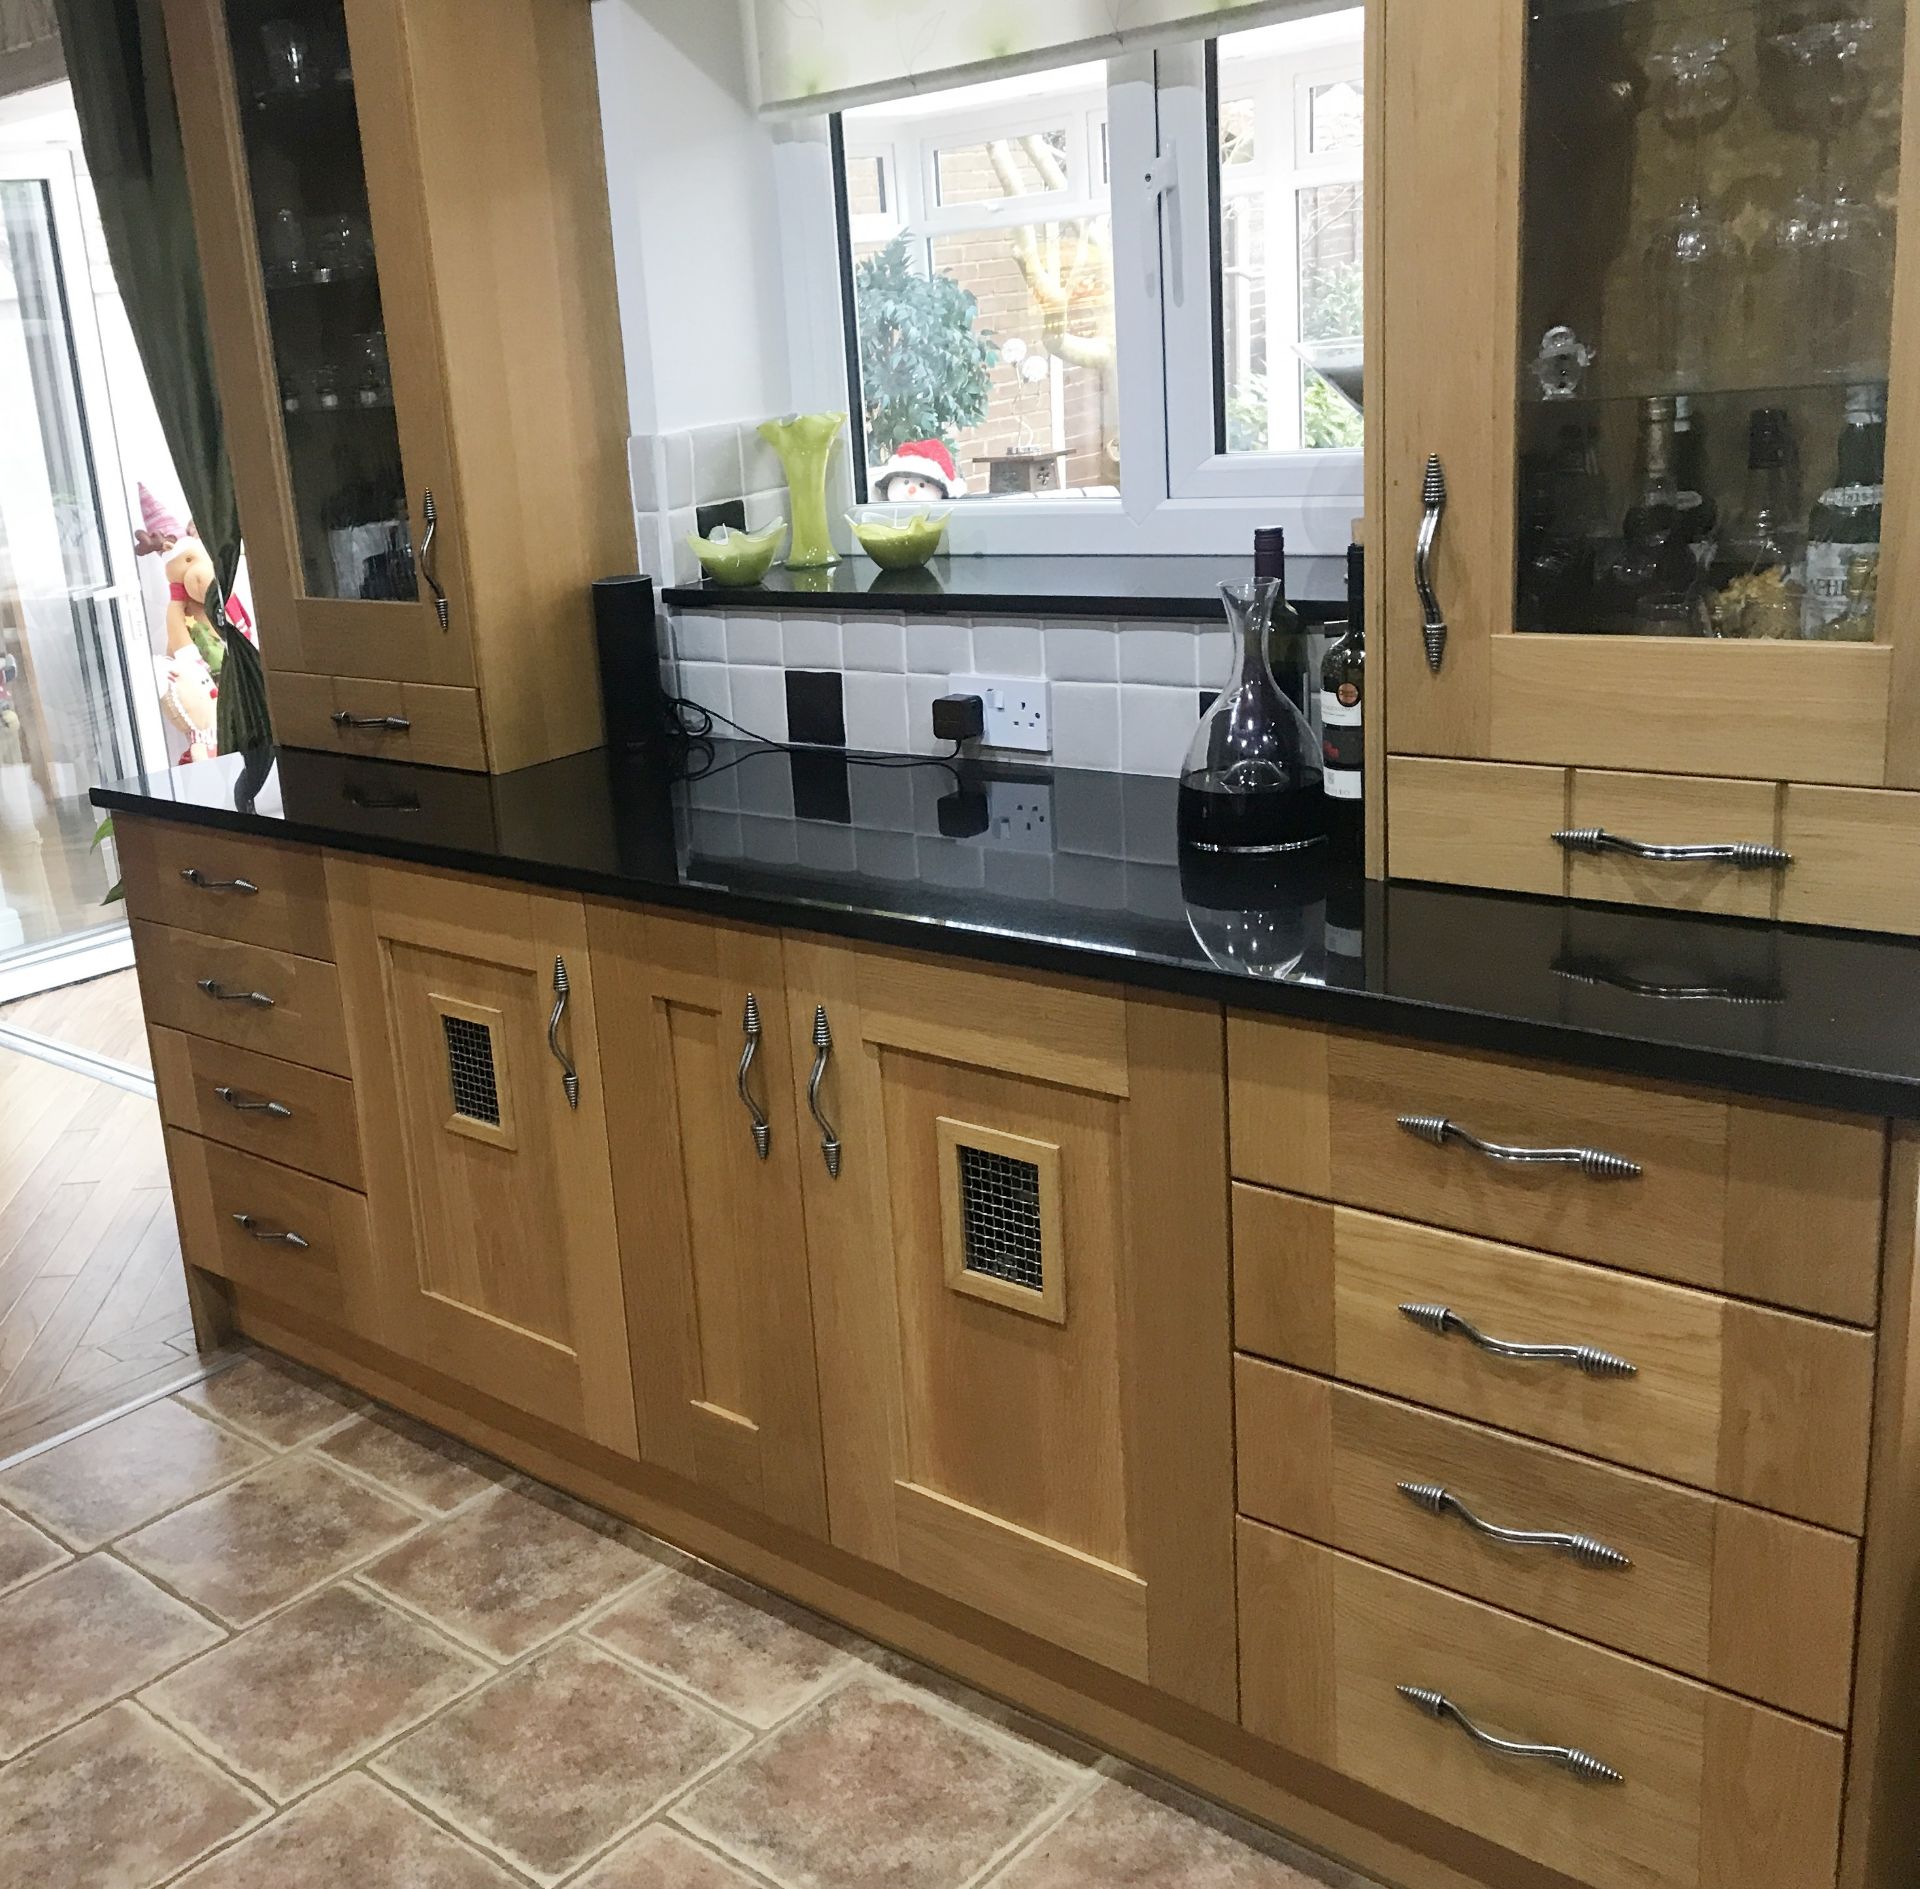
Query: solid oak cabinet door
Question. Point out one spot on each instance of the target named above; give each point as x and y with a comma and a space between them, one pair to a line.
1019, 1256
693, 1025
471, 1015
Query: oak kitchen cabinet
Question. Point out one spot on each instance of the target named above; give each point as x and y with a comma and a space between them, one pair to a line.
431, 470
1606, 209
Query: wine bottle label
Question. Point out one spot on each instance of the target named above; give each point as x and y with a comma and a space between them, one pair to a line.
1344, 783
1342, 741
1340, 708
1828, 566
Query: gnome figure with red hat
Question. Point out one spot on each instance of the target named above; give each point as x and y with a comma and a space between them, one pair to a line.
920, 471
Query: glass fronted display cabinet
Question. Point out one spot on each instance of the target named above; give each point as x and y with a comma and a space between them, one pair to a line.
1645, 502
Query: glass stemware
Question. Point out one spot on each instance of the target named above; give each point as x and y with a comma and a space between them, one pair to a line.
1694, 266
1696, 89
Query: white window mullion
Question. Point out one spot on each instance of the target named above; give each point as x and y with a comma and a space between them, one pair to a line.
1139, 270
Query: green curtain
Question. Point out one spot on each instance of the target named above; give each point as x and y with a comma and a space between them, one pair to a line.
116, 53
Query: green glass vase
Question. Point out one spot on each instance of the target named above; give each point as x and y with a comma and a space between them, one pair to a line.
805, 444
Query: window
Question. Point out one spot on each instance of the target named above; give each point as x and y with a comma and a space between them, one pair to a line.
1110, 307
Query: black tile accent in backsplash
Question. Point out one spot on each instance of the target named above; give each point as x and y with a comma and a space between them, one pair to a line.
816, 707
729, 511
1207, 699
820, 788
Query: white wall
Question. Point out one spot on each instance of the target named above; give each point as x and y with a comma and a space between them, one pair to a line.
695, 225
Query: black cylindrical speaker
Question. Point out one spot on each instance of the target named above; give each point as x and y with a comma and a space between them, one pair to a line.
628, 636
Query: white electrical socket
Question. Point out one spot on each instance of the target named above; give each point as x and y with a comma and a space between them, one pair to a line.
1016, 710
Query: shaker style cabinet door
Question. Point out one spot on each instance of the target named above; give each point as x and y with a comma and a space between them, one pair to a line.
1017, 1230
693, 1034
470, 1010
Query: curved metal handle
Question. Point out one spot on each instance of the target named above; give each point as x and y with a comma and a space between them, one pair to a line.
273, 1236
221, 994
1745, 854
379, 803
384, 724
822, 1049
750, 1029
194, 876
1582, 1764
1598, 971
248, 1105
430, 517
1595, 1163
1437, 1500
562, 991
1443, 1320
1433, 501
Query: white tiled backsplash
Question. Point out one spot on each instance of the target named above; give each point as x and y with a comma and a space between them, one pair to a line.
1123, 697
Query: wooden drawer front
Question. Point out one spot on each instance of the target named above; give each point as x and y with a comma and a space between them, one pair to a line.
1714, 1792
1765, 1201
299, 1117
437, 726
212, 1184
303, 1024
1764, 1406
1707, 1580
287, 907
1671, 809
1475, 823
1856, 858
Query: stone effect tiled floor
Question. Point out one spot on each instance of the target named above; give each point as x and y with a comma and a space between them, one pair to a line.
262, 1632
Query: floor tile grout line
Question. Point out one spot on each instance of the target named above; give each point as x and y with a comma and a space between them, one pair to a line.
988, 1727
48, 1444
1043, 1826
679, 1688
205, 1612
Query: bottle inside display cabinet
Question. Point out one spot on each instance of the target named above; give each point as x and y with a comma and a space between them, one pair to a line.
1757, 574
1844, 531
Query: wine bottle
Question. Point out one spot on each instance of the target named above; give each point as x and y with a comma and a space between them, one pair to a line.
1845, 526
1342, 693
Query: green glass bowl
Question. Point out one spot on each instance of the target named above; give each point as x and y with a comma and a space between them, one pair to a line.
738, 557
904, 546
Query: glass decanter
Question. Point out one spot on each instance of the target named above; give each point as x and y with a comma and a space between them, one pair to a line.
1253, 781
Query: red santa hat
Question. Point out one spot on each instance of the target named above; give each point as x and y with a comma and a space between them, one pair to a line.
923, 459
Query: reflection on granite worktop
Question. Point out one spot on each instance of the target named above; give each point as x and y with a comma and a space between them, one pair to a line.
1079, 872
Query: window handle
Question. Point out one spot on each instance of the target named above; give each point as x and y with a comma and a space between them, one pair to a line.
1162, 179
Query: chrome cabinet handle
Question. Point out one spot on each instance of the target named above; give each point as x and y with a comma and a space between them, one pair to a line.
562, 991
750, 1029
1433, 502
822, 1049
1443, 1320
383, 724
194, 876
1581, 1548
1745, 854
1595, 1163
247, 1105
424, 564
1582, 1764
222, 995
271, 1235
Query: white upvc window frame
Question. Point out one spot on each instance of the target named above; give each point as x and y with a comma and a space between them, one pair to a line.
1177, 493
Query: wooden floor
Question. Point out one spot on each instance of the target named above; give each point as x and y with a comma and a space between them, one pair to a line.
93, 1304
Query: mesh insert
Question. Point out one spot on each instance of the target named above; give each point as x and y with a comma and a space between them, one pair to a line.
476, 1094
1000, 1204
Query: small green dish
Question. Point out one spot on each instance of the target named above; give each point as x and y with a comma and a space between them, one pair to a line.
904, 546
738, 558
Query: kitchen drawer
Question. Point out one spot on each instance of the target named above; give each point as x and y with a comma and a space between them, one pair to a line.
1714, 1792
1856, 858
1764, 1406
259, 891
213, 1186
1704, 1585
1477, 823
1757, 1199
302, 1022
299, 1117
1675, 810
422, 722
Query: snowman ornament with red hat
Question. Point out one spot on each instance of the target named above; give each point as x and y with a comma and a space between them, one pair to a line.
921, 470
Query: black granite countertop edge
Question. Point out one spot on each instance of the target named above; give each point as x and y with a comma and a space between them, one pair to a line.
1463, 1025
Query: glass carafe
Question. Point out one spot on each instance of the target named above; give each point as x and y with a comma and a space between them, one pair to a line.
1253, 781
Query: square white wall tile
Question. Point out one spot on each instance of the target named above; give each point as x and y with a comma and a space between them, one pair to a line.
677, 551
939, 646
1165, 653
709, 684
874, 642
699, 636
950, 863
1156, 724
676, 469
922, 693
809, 640
1216, 658
716, 464
753, 640
1086, 724
876, 712
1081, 652
759, 463
643, 471
763, 508
760, 702
1007, 649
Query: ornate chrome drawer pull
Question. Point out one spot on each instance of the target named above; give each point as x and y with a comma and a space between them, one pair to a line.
247, 1105
194, 876
822, 1049
222, 995
1568, 1757
562, 991
750, 1029
273, 1237
380, 724
1581, 1548
430, 517
1595, 1163
1433, 502
1443, 1320
1742, 853
1597, 971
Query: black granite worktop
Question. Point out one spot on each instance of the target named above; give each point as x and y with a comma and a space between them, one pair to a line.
1158, 589
1065, 871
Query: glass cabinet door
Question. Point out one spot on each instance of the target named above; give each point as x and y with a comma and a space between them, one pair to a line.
306, 178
